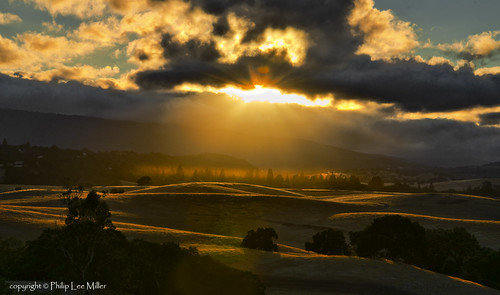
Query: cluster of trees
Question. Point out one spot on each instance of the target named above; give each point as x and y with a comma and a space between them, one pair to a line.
486, 189
88, 248
453, 252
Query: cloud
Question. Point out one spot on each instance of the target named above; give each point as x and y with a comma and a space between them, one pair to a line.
77, 99
435, 60
333, 59
477, 46
438, 142
413, 86
105, 32
85, 74
146, 52
344, 48
175, 17
53, 26
44, 50
487, 71
433, 141
7, 18
490, 119
79, 8
8, 52
385, 37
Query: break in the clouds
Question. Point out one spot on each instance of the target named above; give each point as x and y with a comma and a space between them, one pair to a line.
353, 51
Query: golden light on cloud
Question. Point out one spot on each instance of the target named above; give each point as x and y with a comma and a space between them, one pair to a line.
272, 95
348, 105
292, 41
385, 36
469, 115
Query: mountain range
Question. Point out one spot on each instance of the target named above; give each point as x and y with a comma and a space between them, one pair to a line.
97, 134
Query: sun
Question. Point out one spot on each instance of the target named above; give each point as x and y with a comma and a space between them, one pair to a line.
273, 95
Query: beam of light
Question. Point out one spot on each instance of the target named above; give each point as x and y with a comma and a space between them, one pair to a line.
272, 95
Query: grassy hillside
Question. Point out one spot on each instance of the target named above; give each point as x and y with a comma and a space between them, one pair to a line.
215, 216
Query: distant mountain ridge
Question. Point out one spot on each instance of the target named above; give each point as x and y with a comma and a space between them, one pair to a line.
97, 134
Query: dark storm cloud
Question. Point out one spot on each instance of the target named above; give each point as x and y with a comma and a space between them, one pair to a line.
438, 142
215, 74
489, 119
193, 49
75, 98
330, 66
413, 86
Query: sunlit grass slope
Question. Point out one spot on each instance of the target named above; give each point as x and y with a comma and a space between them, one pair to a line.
215, 216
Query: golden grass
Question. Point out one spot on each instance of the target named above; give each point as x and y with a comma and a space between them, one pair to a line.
150, 213
216, 187
411, 215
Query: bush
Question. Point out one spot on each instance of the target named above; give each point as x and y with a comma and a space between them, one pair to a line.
328, 242
262, 239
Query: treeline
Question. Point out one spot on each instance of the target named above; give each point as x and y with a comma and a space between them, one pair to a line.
269, 178
26, 164
330, 180
88, 248
486, 189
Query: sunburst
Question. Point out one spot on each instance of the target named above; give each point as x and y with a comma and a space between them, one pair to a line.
272, 95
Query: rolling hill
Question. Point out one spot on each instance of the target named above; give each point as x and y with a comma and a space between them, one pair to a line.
215, 216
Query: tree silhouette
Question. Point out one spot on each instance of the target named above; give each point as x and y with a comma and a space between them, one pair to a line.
84, 242
179, 174
328, 242
262, 239
91, 209
270, 177
391, 236
447, 249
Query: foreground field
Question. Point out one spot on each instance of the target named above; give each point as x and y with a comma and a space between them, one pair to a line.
215, 216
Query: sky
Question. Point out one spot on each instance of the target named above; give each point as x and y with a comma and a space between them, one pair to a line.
413, 79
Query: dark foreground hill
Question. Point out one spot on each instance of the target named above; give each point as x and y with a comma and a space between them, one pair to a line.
97, 134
